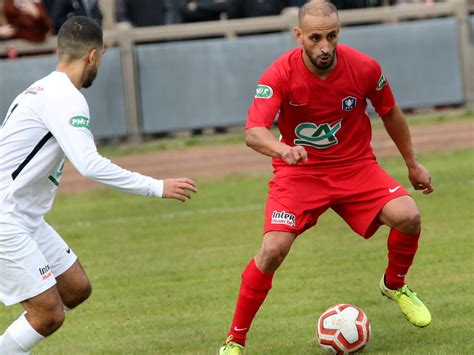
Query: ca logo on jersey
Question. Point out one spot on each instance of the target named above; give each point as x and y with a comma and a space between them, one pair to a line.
263, 92
349, 103
80, 122
317, 136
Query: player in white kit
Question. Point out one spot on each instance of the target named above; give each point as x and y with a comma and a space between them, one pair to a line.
46, 123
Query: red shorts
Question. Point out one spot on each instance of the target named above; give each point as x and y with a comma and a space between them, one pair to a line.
357, 194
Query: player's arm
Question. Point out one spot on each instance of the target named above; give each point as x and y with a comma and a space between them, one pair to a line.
397, 128
261, 115
263, 141
69, 124
381, 96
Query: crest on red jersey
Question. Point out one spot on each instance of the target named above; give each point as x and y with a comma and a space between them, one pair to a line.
348, 103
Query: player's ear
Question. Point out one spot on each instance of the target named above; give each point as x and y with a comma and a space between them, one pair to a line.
298, 35
91, 55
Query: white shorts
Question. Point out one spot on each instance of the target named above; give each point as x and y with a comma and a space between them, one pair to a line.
30, 263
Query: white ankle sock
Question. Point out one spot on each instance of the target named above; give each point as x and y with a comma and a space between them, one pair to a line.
19, 338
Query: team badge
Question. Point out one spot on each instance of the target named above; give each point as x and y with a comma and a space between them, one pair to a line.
263, 92
349, 103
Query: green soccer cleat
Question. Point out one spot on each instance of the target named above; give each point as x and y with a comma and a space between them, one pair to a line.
412, 308
231, 348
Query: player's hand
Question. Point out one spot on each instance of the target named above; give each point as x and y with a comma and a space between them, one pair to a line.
294, 155
420, 178
179, 188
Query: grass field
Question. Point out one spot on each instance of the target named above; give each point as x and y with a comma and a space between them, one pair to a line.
166, 274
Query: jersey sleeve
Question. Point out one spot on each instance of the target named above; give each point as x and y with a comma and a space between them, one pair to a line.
68, 120
268, 98
379, 91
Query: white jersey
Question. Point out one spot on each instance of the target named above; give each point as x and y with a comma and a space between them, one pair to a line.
46, 123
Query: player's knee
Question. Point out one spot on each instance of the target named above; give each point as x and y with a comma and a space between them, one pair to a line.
83, 292
274, 254
410, 222
86, 291
52, 320
57, 319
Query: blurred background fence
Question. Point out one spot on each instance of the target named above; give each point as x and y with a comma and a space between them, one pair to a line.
162, 79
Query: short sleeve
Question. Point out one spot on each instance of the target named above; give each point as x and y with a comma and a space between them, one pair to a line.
379, 91
268, 98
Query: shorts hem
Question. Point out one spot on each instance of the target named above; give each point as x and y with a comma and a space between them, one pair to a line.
65, 267
282, 229
10, 301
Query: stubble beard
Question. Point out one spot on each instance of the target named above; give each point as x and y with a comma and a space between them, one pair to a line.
322, 66
90, 78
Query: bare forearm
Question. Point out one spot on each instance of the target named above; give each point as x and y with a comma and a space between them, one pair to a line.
397, 128
263, 141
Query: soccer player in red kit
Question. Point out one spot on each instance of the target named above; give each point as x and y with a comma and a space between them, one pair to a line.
324, 160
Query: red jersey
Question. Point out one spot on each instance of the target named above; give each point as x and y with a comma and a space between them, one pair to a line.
326, 116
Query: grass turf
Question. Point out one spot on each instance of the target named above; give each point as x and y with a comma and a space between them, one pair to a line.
166, 274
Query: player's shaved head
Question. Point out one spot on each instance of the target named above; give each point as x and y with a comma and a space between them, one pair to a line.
77, 36
316, 8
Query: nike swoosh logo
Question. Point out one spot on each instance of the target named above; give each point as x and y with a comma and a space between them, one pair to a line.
240, 329
394, 189
296, 104
68, 250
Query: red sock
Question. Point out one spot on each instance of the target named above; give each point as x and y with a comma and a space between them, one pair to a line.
401, 252
253, 291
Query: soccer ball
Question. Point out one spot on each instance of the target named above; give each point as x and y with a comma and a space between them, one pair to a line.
343, 329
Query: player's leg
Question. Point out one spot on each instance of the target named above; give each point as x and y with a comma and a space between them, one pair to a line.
72, 282
44, 315
293, 205
403, 217
26, 278
382, 200
74, 286
256, 283
275, 247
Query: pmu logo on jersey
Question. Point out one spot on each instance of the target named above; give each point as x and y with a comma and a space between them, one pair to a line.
349, 103
318, 136
45, 272
263, 92
80, 122
283, 217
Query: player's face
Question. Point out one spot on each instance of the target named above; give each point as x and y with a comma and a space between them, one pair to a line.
93, 68
318, 36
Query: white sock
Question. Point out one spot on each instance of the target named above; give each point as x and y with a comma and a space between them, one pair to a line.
19, 338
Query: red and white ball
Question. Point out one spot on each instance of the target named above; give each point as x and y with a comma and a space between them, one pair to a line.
343, 329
